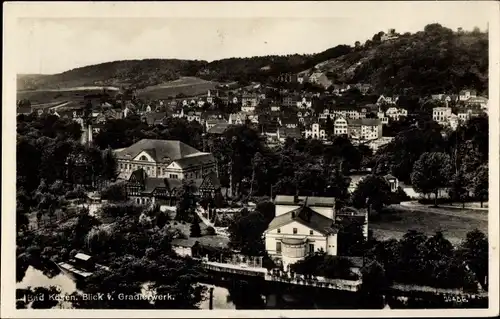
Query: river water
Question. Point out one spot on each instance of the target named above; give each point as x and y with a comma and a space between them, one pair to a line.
36, 278
237, 294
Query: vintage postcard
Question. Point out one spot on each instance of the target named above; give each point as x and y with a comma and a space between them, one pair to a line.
213, 159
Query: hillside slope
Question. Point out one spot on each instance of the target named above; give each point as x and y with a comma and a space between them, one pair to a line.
137, 73
431, 61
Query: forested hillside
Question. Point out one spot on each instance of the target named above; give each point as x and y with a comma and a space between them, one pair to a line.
434, 60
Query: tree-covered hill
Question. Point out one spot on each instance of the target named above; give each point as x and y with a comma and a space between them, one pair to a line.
434, 60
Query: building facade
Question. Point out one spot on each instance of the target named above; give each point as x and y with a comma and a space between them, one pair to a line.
164, 159
301, 226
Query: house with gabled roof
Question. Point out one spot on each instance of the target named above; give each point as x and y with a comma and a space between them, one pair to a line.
153, 118
143, 189
301, 226
387, 100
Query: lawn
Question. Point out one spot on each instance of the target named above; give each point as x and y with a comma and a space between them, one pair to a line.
189, 86
454, 225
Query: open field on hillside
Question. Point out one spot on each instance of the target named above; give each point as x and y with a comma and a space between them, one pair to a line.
59, 95
189, 86
455, 224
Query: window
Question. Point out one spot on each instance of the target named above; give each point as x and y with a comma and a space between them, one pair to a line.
278, 247
143, 158
295, 230
173, 176
279, 231
311, 248
311, 232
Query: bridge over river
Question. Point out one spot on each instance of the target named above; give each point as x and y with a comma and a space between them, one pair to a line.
278, 276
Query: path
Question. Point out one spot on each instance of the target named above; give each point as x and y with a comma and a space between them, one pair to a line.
455, 212
221, 231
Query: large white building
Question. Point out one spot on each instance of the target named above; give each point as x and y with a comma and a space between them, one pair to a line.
365, 129
301, 226
164, 159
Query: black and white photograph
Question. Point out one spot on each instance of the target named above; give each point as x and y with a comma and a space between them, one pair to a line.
250, 159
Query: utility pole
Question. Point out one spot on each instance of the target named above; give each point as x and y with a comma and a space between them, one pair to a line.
211, 302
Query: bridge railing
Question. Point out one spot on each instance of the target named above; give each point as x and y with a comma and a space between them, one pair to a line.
340, 284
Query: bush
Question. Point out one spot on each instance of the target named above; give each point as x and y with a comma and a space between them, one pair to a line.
120, 210
115, 192
400, 196
210, 231
195, 230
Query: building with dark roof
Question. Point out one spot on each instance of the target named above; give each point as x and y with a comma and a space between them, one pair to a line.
164, 159
143, 189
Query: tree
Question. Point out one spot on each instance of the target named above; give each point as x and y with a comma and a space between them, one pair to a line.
458, 190
245, 233
374, 279
372, 191
195, 230
257, 163
115, 192
109, 164
186, 203
351, 241
410, 256
480, 183
45, 298
474, 251
431, 172
161, 219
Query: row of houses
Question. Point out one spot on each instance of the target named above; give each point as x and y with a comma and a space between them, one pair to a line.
446, 117
466, 97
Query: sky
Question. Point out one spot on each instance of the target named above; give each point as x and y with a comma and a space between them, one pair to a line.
58, 42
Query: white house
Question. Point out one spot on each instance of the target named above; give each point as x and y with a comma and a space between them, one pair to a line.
365, 129
395, 113
301, 226
304, 103
316, 132
275, 108
248, 108
387, 100
381, 116
237, 118
340, 126
464, 95
441, 114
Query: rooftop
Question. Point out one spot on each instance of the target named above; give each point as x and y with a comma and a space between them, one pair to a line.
311, 200
308, 218
159, 150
